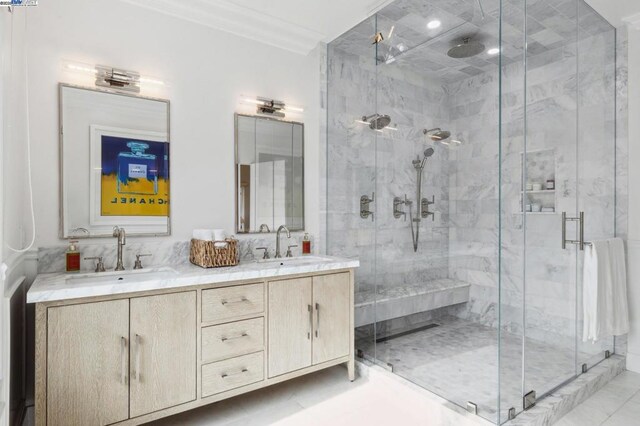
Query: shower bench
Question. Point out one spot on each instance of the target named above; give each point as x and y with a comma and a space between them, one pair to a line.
400, 301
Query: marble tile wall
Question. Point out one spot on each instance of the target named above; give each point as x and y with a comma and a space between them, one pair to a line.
52, 258
362, 161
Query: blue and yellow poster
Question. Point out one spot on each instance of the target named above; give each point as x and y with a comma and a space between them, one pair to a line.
134, 178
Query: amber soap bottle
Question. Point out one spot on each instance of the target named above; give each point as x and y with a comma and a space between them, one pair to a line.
306, 244
73, 257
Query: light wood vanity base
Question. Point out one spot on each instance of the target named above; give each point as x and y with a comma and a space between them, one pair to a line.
132, 358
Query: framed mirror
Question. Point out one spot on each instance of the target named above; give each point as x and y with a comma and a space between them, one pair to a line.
269, 174
114, 163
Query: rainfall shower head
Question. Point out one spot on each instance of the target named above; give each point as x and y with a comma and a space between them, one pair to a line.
437, 134
377, 121
466, 49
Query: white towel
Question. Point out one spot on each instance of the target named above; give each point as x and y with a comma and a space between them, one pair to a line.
595, 273
219, 235
203, 234
619, 321
604, 290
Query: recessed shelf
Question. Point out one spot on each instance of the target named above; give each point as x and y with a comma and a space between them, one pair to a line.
529, 213
541, 191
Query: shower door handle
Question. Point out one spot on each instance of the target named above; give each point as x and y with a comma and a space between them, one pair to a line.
365, 209
580, 241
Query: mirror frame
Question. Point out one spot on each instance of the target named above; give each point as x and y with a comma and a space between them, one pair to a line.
235, 171
61, 87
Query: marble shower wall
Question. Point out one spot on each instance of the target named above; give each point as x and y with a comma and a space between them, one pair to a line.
163, 253
362, 161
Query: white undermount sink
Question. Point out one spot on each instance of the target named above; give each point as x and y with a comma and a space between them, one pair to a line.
122, 277
293, 261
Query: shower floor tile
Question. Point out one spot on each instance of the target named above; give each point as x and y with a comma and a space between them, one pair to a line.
458, 360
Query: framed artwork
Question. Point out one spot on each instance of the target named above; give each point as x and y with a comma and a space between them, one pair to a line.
129, 177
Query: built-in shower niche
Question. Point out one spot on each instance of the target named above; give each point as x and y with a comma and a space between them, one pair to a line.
538, 194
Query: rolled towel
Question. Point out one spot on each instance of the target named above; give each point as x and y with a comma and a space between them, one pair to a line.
219, 235
203, 234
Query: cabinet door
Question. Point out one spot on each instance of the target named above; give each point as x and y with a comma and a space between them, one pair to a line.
331, 317
163, 351
290, 315
87, 363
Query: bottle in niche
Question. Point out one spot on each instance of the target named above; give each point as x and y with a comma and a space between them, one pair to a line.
73, 257
137, 170
306, 244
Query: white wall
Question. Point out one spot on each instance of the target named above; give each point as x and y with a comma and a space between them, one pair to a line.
15, 228
633, 244
207, 71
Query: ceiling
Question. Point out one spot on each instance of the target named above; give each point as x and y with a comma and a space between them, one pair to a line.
293, 25
616, 10
298, 26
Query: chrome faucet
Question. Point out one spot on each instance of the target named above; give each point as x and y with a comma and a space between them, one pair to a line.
122, 240
278, 240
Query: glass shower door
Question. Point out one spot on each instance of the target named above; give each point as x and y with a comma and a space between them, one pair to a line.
596, 155
549, 179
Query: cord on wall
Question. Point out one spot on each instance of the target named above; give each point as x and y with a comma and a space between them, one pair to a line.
28, 134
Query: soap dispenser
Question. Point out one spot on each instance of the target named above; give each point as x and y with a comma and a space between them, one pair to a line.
306, 244
73, 257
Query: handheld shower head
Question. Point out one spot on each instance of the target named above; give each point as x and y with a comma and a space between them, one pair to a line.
428, 152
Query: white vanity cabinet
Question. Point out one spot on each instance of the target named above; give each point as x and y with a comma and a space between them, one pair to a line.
132, 358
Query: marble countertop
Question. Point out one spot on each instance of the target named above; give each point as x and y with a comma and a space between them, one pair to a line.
64, 286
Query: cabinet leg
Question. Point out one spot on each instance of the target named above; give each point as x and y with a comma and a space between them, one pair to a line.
351, 367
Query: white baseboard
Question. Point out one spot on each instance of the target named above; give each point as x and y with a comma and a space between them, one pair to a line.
633, 362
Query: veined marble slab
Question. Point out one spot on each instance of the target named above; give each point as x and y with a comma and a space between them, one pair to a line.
63, 286
400, 301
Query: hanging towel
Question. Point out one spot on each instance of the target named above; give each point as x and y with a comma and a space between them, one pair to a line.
596, 293
605, 310
619, 319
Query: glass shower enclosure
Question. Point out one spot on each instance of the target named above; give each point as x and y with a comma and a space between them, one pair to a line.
470, 160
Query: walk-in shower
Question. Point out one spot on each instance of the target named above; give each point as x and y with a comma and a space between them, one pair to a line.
480, 304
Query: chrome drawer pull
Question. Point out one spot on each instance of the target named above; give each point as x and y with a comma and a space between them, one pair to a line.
225, 375
136, 371
241, 300
224, 339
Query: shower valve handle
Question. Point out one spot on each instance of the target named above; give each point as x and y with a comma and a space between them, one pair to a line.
365, 210
397, 212
424, 207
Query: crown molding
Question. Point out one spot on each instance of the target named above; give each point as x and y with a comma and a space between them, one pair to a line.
632, 21
239, 20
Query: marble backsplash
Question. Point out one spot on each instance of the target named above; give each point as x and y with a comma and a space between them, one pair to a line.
52, 258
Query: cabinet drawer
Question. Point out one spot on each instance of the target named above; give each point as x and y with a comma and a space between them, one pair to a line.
232, 339
232, 373
229, 302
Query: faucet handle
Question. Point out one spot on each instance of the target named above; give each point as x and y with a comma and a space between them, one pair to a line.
138, 262
289, 254
265, 255
99, 264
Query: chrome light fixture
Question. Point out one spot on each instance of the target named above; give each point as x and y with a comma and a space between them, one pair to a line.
271, 107
118, 79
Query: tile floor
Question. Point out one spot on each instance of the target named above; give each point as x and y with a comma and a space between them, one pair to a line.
458, 360
616, 404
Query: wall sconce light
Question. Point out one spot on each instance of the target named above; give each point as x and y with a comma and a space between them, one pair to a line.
113, 78
270, 107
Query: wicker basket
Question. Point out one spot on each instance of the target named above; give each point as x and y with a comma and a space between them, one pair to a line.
207, 255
